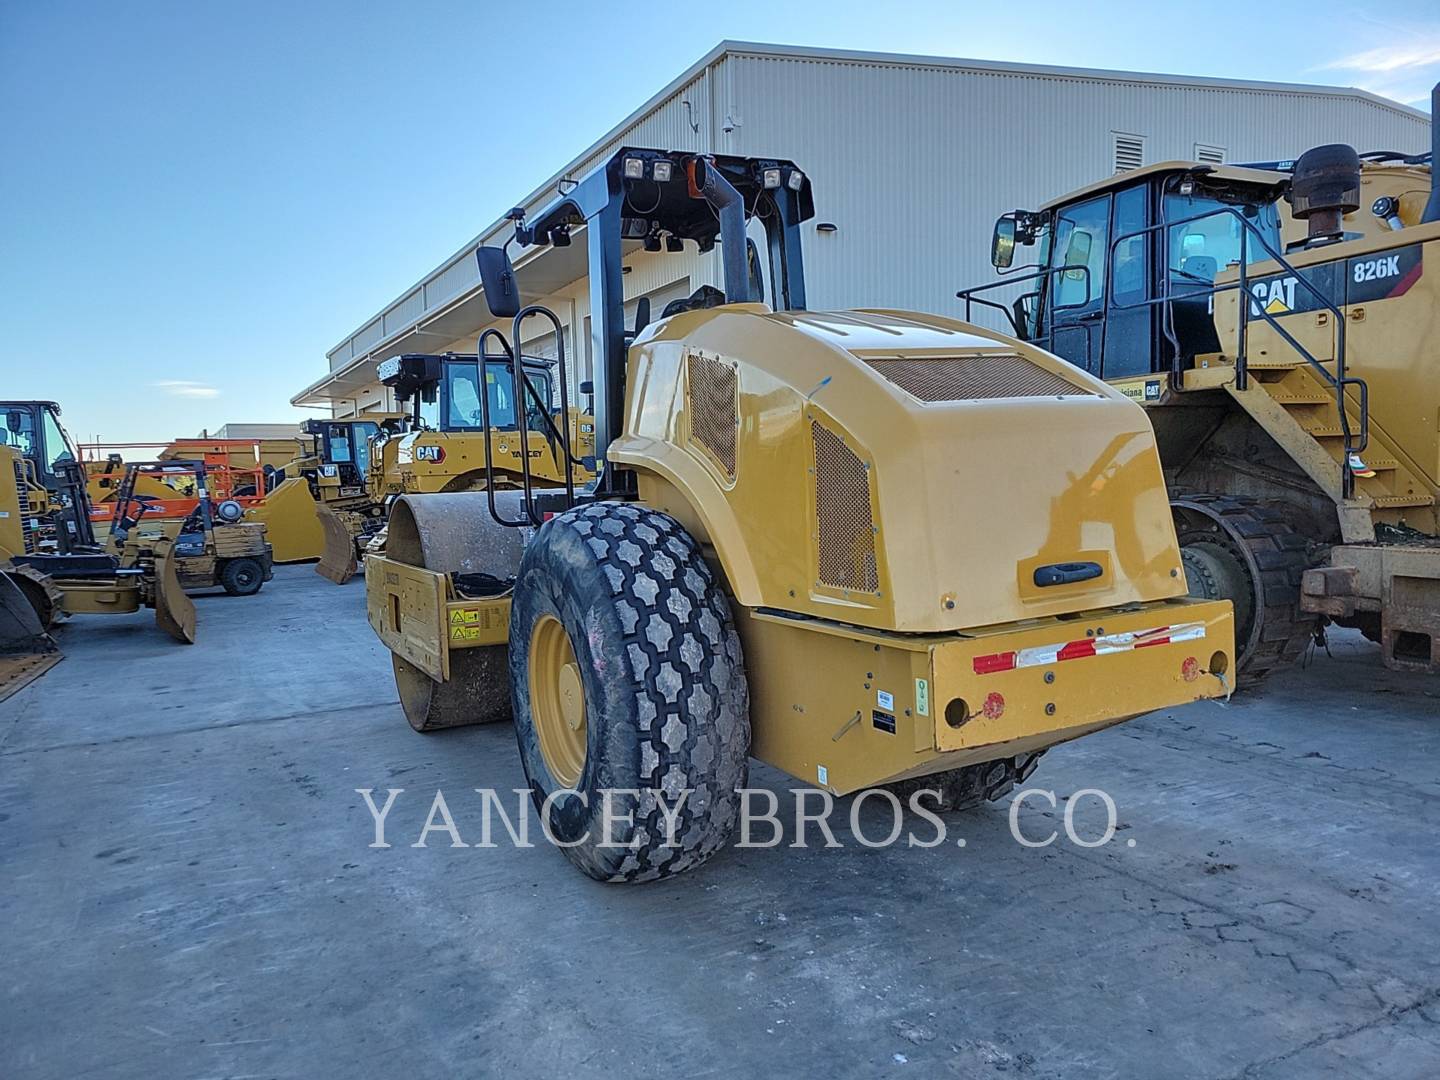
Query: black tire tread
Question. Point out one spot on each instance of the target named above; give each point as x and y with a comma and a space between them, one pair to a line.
1282, 556
684, 667
970, 785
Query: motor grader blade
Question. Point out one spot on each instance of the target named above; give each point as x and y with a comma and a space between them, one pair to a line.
174, 611
338, 563
26, 650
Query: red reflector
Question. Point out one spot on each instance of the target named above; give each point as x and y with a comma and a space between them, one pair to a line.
1190, 669
1000, 661
547, 515
1076, 649
994, 706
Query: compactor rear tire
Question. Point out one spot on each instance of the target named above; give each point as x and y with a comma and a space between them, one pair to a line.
968, 786
627, 675
242, 577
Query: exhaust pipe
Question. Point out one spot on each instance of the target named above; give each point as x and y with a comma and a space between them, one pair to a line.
1432, 208
730, 209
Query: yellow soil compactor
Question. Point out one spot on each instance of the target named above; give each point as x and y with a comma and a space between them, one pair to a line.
451, 441
1277, 323
866, 547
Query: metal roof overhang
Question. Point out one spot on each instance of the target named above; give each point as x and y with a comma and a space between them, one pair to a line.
541, 271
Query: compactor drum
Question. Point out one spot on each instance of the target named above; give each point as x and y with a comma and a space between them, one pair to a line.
462, 434
866, 547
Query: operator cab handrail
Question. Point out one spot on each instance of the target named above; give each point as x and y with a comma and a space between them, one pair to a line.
1338, 381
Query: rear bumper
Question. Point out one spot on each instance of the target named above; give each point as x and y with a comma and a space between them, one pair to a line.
848, 709
1080, 674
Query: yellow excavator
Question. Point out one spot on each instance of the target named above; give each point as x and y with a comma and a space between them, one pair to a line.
454, 439
1277, 323
866, 547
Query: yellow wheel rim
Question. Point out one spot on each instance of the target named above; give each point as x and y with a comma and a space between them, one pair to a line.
557, 700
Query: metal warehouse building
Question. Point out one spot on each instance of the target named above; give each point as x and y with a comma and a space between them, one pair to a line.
911, 159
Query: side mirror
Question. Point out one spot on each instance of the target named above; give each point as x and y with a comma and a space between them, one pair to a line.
642, 315
587, 387
1002, 244
13, 419
497, 278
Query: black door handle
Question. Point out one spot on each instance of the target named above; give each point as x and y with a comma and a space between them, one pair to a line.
1066, 573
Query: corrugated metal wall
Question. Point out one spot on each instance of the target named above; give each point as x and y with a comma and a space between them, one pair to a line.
914, 163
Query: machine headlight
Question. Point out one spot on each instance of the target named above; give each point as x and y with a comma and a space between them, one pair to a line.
662, 171
634, 168
771, 179
796, 180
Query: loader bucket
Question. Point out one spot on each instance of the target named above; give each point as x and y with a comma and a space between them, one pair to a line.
174, 611
26, 651
338, 562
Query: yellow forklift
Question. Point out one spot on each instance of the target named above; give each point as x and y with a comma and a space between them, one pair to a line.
866, 547
214, 547
1277, 323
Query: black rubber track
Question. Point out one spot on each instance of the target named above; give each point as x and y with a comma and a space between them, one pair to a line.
1262, 535
666, 703
968, 786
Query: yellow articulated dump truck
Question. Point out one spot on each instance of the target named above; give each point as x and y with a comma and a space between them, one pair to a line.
1278, 324
865, 547
453, 440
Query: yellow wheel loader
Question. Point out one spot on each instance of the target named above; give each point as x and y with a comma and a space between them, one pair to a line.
866, 547
1277, 322
51, 567
455, 439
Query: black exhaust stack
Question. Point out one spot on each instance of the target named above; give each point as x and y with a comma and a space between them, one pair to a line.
1324, 187
1432, 208
729, 207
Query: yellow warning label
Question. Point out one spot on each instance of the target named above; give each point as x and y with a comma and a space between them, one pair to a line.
459, 615
464, 633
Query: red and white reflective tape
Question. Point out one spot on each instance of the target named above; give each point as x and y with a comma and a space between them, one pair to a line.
1103, 645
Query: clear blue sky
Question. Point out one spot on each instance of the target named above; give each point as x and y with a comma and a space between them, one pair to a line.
208, 195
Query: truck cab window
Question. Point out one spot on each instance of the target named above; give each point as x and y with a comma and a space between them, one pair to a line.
1199, 249
1081, 239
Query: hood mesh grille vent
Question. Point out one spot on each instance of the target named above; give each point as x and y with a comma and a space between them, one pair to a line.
714, 412
844, 524
973, 378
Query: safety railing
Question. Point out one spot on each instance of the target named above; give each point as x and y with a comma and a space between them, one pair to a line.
522, 392
1247, 306
1045, 335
